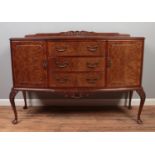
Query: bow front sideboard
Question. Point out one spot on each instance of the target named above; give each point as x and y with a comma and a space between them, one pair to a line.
77, 64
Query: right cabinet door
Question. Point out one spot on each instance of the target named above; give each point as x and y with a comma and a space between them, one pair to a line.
124, 63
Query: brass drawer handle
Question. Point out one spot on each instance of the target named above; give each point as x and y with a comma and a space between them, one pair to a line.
92, 65
61, 65
62, 80
92, 49
92, 80
61, 49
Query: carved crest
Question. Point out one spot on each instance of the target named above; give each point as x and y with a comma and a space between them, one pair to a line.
75, 33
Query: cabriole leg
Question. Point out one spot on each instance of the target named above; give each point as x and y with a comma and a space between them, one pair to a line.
130, 98
13, 94
142, 95
25, 102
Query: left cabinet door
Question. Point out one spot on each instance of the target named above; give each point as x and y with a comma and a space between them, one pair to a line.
29, 64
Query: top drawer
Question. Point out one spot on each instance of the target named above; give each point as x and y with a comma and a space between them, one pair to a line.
79, 48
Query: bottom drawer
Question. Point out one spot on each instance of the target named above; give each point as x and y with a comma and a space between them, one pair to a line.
93, 79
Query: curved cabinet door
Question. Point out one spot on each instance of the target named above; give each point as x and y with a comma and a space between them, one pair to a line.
29, 64
124, 62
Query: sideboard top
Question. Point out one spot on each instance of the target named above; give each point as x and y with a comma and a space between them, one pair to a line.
77, 35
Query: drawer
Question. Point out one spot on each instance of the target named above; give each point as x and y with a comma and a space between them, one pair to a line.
62, 48
92, 48
79, 48
77, 64
96, 79
62, 79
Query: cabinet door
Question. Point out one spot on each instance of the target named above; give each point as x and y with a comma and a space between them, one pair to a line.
29, 64
124, 63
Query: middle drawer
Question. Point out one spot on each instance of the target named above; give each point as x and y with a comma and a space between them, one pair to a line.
77, 64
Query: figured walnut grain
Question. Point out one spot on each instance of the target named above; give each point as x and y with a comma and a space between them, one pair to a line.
28, 58
125, 63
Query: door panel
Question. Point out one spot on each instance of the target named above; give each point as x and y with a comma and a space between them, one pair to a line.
29, 64
124, 63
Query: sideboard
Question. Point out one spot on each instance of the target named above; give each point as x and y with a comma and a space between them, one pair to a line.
77, 64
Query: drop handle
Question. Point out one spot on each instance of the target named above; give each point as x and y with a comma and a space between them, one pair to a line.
61, 65
61, 49
92, 65
92, 49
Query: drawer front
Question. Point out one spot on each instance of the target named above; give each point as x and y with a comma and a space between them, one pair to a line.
62, 80
62, 48
77, 64
91, 79
92, 48
79, 48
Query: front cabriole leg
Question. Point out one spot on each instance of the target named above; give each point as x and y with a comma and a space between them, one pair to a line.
142, 95
13, 94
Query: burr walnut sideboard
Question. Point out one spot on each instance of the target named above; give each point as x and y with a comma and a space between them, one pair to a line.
77, 64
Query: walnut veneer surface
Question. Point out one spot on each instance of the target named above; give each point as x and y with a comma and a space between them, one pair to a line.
77, 64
